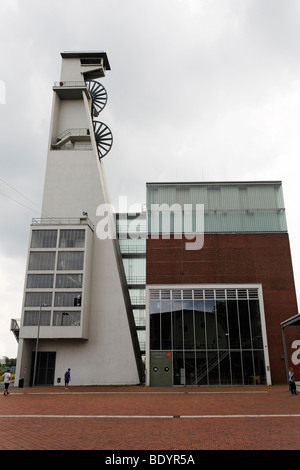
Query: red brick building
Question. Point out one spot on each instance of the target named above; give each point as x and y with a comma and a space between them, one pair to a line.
244, 267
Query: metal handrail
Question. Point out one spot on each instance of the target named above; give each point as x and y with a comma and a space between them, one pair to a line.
15, 324
15, 327
134, 249
158, 208
64, 221
81, 131
70, 84
136, 280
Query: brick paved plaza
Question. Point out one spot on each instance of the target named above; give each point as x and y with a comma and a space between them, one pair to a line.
142, 418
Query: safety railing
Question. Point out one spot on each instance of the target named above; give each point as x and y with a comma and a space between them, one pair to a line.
15, 327
64, 221
70, 84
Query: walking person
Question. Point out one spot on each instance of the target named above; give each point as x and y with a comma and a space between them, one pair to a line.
67, 378
6, 379
292, 382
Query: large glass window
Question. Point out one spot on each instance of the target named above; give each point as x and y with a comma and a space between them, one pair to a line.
166, 325
66, 318
188, 325
137, 296
41, 261
244, 324
67, 299
201, 367
43, 238
214, 335
139, 316
155, 324
72, 238
135, 269
70, 260
177, 324
210, 316
69, 281
31, 318
199, 316
255, 324
40, 281
36, 299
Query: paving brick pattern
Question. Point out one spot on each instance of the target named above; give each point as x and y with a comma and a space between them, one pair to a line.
142, 418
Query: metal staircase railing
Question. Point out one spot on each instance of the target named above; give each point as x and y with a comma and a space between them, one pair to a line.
216, 359
70, 135
204, 370
15, 327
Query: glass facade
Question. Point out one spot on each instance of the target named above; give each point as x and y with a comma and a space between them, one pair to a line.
59, 252
228, 207
214, 336
131, 230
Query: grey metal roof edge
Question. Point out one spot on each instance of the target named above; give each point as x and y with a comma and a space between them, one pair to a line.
295, 320
86, 54
213, 183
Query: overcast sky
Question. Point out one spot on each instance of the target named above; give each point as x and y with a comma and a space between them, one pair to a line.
199, 90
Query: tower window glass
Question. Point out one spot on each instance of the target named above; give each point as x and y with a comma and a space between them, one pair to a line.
72, 238
70, 260
41, 260
43, 239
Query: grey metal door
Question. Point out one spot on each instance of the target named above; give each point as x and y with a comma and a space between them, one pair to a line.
161, 369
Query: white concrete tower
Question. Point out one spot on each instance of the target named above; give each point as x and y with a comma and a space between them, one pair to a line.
76, 310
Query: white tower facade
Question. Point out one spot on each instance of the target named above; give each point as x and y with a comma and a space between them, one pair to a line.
76, 309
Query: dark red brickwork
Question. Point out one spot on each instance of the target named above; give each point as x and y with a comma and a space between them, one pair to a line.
262, 258
147, 418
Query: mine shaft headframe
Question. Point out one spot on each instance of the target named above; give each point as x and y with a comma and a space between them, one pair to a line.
93, 65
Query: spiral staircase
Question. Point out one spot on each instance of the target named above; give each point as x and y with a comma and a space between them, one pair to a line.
103, 135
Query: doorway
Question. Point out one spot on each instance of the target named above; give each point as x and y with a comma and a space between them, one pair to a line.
45, 368
161, 369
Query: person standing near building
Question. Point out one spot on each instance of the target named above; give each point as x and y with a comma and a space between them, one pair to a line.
67, 378
292, 382
6, 379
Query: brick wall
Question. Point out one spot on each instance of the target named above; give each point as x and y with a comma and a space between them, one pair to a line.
238, 259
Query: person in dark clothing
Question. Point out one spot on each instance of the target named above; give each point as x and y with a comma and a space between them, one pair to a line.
67, 378
292, 382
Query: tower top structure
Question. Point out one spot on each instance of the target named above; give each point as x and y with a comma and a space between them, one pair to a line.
84, 65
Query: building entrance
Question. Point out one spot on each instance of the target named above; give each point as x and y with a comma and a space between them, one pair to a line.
45, 368
207, 337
